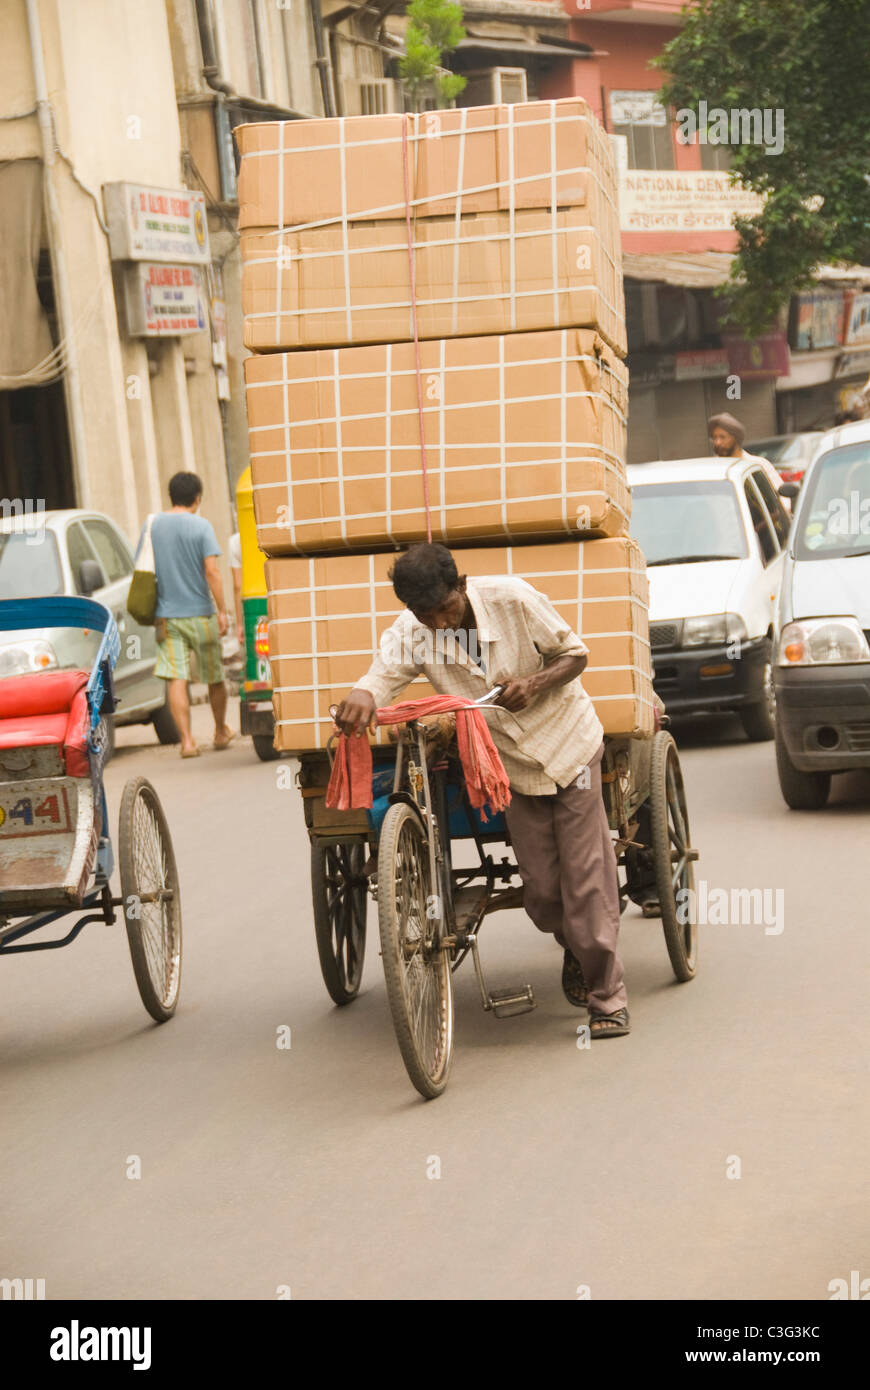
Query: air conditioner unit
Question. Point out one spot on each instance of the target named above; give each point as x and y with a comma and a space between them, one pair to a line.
495, 86
370, 96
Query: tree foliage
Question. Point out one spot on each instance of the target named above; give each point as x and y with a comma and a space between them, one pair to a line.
809, 59
434, 28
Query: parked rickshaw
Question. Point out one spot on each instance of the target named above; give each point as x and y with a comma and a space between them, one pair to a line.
56, 852
255, 703
430, 910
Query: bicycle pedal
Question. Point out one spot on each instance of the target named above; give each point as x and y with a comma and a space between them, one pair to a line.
506, 1003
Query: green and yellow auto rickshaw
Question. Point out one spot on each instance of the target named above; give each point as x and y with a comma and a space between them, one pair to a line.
256, 715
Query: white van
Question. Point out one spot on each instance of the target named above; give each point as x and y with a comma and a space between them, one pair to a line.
822, 670
713, 532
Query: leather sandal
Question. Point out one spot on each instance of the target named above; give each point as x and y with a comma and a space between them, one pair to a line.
573, 984
615, 1025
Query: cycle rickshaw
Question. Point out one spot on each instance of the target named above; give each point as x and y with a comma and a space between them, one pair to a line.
56, 852
430, 911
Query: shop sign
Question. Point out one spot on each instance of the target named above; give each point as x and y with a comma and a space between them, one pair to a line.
817, 320
637, 108
760, 357
857, 319
163, 301
156, 224
699, 365
686, 200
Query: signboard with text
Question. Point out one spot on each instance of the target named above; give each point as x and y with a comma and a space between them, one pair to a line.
163, 301
817, 320
156, 224
857, 319
691, 200
759, 357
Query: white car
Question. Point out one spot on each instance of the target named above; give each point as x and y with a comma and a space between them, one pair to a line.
822, 671
713, 532
80, 552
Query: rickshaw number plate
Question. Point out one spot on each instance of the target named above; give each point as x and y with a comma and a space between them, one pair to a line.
33, 808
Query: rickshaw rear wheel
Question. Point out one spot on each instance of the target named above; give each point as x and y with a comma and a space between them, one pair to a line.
675, 873
152, 902
339, 891
416, 965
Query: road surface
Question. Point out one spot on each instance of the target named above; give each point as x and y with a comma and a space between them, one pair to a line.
717, 1152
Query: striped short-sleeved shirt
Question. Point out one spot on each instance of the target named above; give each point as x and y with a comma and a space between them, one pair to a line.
544, 746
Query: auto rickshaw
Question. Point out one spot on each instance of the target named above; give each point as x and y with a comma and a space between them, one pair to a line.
256, 714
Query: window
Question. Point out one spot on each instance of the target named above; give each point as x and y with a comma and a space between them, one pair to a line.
641, 118
774, 506
28, 570
77, 549
684, 522
833, 519
761, 526
303, 81
715, 157
111, 551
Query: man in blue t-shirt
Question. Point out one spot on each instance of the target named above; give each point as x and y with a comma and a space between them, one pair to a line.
188, 579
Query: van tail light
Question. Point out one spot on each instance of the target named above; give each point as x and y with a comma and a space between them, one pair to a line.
261, 637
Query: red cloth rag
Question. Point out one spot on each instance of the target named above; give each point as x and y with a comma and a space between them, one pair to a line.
350, 783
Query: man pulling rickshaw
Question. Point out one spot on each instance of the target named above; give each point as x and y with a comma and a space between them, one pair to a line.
467, 636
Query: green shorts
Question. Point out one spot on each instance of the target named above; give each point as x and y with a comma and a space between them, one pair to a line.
186, 636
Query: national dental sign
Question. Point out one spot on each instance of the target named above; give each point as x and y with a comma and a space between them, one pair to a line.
156, 224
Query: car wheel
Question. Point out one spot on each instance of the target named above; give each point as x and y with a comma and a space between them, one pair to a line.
164, 724
759, 719
802, 791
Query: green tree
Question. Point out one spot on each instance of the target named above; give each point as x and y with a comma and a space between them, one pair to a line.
434, 28
810, 60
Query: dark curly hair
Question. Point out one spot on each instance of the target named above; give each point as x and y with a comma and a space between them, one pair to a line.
424, 576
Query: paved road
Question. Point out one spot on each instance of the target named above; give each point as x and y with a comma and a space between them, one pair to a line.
560, 1168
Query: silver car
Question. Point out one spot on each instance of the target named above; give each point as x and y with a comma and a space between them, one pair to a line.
84, 553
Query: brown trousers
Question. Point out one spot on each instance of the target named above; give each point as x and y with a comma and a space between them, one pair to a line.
565, 855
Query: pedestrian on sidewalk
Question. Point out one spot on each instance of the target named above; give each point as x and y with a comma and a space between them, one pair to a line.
189, 586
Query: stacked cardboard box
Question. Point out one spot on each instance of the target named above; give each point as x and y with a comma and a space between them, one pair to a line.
327, 614
524, 437
490, 235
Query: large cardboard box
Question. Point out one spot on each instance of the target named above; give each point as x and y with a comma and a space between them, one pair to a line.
542, 154
473, 275
327, 615
525, 437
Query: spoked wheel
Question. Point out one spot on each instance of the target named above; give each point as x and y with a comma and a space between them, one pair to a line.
152, 904
338, 889
671, 845
416, 966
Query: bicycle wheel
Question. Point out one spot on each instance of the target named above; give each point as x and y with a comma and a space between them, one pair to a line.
339, 890
416, 966
152, 903
674, 870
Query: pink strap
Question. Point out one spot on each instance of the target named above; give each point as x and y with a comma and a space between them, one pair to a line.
412, 270
350, 784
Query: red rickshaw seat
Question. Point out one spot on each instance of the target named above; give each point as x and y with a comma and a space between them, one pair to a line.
47, 708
